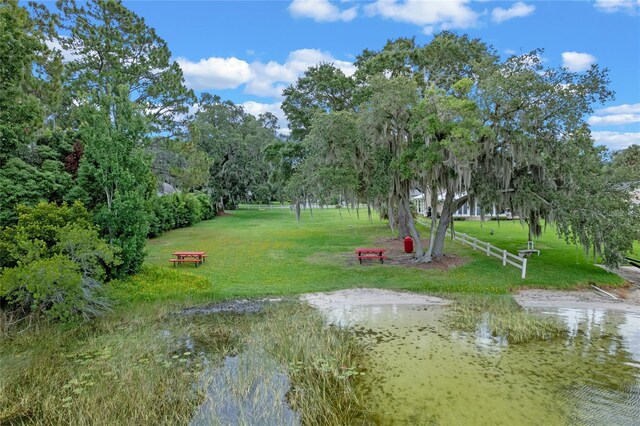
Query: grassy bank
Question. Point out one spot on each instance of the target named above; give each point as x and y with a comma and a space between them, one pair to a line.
266, 252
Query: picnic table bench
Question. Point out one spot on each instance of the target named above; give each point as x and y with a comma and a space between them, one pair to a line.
195, 257
370, 253
529, 250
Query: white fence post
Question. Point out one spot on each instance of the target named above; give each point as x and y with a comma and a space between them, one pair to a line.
477, 244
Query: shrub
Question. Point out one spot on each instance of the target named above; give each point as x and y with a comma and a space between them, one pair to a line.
126, 226
206, 206
55, 262
501, 217
177, 210
50, 286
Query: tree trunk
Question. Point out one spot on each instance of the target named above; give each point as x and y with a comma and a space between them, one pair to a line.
403, 216
297, 208
392, 219
434, 221
445, 219
449, 207
411, 225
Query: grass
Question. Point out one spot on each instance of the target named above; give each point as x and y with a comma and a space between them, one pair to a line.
141, 367
260, 253
502, 317
117, 370
322, 364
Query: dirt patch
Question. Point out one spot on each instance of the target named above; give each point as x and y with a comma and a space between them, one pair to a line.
366, 297
397, 256
534, 298
243, 306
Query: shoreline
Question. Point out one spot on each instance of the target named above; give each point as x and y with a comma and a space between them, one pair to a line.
529, 298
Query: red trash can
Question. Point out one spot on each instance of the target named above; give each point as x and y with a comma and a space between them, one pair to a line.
408, 245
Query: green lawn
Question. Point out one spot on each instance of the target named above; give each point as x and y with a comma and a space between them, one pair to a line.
266, 252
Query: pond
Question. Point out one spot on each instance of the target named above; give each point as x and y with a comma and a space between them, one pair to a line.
423, 371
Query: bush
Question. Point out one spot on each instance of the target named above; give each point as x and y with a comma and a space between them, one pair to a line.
51, 286
54, 263
206, 205
178, 211
502, 217
126, 226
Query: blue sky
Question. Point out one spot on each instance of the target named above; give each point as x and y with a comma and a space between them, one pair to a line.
247, 51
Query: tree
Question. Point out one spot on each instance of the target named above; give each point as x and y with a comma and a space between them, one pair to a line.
331, 148
385, 120
593, 209
114, 175
625, 167
284, 158
111, 47
21, 112
449, 137
236, 144
431, 69
30, 163
453, 120
322, 88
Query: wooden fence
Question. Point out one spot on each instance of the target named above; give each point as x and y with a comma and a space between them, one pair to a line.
505, 256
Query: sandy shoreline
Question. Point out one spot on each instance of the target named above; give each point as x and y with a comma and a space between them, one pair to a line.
368, 297
532, 298
537, 298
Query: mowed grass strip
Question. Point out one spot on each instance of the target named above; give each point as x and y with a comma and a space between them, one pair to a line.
256, 253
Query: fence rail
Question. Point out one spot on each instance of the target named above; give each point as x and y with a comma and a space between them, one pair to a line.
490, 250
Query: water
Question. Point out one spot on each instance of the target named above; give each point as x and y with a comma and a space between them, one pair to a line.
245, 391
427, 373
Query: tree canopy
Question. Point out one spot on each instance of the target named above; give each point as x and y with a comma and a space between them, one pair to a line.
452, 120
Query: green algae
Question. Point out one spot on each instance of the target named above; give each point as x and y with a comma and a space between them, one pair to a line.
424, 371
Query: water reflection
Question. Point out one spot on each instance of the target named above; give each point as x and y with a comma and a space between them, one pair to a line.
427, 372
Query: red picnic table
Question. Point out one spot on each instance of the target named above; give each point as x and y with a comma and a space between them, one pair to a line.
195, 257
370, 253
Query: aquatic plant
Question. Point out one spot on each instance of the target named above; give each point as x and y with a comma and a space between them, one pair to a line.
503, 317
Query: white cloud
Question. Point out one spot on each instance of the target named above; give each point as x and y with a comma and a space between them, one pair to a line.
261, 79
67, 56
620, 109
257, 108
576, 61
428, 13
611, 6
614, 119
428, 30
518, 10
510, 52
321, 11
215, 73
616, 115
616, 140
272, 77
